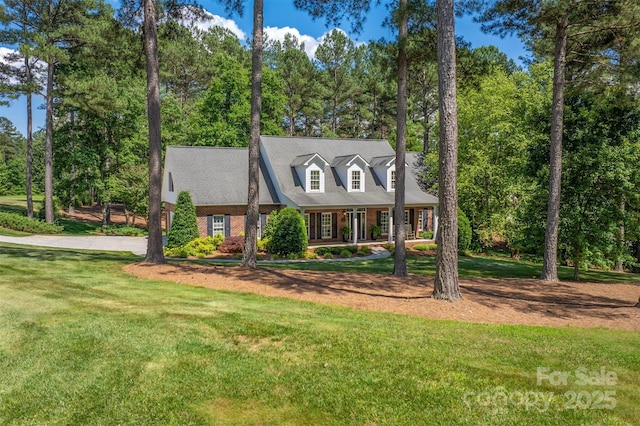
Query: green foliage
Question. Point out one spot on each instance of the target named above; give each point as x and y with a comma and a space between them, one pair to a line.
288, 234
464, 231
198, 247
364, 250
427, 235
345, 253
124, 230
185, 226
425, 247
336, 250
18, 222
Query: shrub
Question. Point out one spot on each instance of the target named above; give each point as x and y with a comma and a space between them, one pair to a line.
262, 244
185, 226
336, 251
425, 247
310, 255
366, 250
272, 223
426, 235
18, 222
464, 231
232, 245
328, 256
204, 246
345, 253
288, 234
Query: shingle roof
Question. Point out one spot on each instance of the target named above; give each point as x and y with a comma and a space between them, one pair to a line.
214, 175
279, 153
387, 160
303, 160
346, 160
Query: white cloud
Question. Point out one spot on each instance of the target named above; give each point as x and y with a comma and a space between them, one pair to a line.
310, 43
219, 21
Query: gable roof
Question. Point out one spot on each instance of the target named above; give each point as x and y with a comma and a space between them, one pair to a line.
386, 161
278, 153
214, 176
305, 160
347, 160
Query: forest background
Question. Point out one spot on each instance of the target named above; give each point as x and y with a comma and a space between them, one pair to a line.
346, 89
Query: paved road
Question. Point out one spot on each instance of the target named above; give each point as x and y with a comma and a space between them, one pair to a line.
136, 245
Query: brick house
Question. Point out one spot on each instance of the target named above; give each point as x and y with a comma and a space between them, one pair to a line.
338, 185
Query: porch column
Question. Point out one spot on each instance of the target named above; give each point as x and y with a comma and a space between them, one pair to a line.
390, 239
435, 222
354, 228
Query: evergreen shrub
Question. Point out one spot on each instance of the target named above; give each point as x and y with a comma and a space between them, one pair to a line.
185, 226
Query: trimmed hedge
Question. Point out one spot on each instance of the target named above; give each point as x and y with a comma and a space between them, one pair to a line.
18, 222
287, 234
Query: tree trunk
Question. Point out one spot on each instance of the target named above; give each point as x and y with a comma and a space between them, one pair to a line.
446, 282
400, 262
29, 172
253, 204
621, 240
550, 263
48, 146
154, 224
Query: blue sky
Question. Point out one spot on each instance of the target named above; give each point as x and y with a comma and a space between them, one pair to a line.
279, 18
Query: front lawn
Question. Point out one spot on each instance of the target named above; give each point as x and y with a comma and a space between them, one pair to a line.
468, 266
83, 343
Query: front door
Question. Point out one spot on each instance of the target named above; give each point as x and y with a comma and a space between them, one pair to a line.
362, 225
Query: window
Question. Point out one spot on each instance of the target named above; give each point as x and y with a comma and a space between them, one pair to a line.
314, 180
218, 224
384, 222
393, 179
420, 219
355, 180
406, 217
326, 225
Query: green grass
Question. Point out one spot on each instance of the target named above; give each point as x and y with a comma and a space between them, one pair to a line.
476, 266
83, 343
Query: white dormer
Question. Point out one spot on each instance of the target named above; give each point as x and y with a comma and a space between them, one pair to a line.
351, 169
310, 171
385, 170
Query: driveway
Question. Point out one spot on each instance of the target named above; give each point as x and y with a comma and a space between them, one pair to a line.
136, 245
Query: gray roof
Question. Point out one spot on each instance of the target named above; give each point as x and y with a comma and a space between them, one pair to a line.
279, 152
345, 160
382, 161
214, 175
302, 160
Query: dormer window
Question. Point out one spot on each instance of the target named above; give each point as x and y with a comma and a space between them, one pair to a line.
310, 171
393, 180
355, 180
314, 180
351, 171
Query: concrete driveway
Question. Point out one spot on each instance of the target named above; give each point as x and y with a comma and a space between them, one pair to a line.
136, 245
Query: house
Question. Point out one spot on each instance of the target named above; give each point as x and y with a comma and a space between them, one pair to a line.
338, 185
